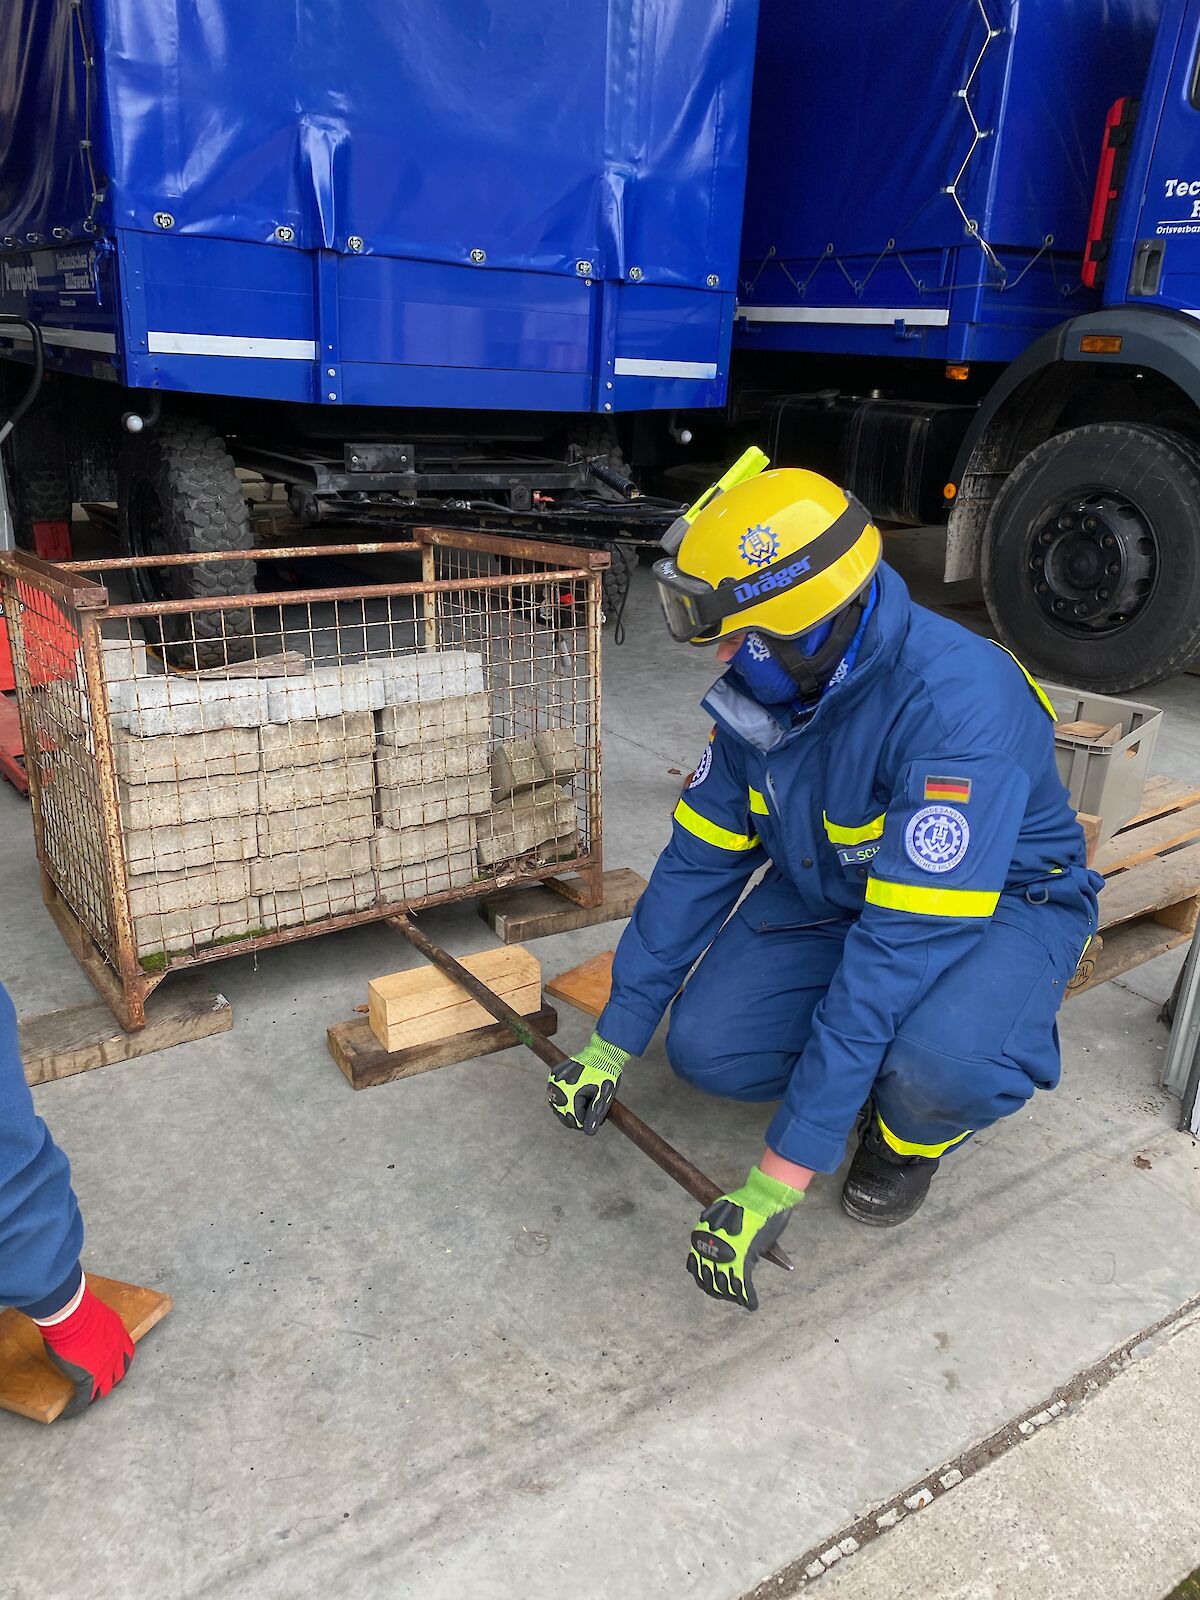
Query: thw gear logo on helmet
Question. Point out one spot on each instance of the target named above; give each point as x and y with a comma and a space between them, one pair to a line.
936, 839
759, 545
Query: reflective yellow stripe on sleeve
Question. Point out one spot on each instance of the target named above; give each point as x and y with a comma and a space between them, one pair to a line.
758, 804
836, 834
1043, 697
905, 1147
723, 838
930, 902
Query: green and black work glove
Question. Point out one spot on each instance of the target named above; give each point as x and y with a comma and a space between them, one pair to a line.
734, 1231
582, 1089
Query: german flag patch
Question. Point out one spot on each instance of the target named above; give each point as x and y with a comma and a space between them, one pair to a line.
956, 789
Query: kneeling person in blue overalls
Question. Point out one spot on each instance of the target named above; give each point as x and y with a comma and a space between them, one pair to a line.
926, 896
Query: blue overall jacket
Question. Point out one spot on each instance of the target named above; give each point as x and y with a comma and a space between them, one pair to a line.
919, 800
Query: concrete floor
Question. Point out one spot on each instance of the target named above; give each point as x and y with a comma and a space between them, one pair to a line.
425, 1343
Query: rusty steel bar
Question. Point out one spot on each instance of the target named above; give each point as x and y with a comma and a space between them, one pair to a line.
429, 575
86, 595
117, 885
357, 592
259, 553
664, 1155
502, 544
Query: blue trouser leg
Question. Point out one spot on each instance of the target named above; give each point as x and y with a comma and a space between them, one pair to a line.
746, 1013
980, 1041
971, 1051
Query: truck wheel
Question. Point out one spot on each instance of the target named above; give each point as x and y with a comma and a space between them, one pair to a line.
1091, 557
178, 494
38, 484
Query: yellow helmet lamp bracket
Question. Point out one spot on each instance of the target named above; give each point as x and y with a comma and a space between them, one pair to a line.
695, 610
748, 465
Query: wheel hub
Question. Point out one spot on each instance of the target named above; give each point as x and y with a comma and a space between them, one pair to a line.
1093, 563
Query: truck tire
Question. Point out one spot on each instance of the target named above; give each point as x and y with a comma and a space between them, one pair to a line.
178, 494
1091, 557
38, 483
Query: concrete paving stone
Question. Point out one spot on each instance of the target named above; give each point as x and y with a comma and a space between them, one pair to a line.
429, 764
297, 787
427, 675
195, 927
404, 847
288, 908
168, 805
531, 818
161, 893
124, 660
62, 712
315, 827
455, 871
417, 804
560, 754
314, 742
191, 844
300, 867
172, 705
436, 721
516, 765
328, 689
225, 752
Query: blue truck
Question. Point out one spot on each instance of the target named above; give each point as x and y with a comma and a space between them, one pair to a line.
970, 290
481, 262
409, 260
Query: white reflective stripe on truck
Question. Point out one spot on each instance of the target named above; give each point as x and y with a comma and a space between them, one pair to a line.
230, 344
864, 316
635, 367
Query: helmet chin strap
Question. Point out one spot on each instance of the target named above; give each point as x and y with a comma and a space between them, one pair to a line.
810, 674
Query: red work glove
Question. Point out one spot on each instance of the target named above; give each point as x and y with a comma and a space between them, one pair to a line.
90, 1345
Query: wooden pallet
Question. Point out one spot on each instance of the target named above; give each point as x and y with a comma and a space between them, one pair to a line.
1151, 898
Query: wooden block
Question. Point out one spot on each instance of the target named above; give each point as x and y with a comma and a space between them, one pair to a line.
422, 1005
1123, 949
1089, 731
519, 914
1091, 826
1132, 846
1156, 886
1111, 735
30, 1383
366, 1063
586, 986
60, 1043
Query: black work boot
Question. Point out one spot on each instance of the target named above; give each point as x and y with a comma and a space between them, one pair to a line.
882, 1187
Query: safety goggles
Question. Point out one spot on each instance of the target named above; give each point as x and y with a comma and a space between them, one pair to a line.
694, 609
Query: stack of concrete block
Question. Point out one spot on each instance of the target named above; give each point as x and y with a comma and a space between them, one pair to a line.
531, 813
432, 774
189, 809
317, 810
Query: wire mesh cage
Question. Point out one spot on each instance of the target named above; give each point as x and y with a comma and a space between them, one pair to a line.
212, 776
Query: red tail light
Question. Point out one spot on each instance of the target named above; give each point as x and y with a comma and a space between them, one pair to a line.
1114, 158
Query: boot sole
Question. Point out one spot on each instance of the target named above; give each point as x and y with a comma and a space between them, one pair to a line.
873, 1219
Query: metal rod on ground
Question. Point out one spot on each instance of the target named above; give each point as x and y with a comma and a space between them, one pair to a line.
663, 1155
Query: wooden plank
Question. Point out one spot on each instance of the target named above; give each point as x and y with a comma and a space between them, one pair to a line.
1090, 732
1135, 845
517, 915
1091, 826
1155, 886
1161, 795
61, 1043
587, 986
447, 1021
1128, 947
30, 1383
421, 1004
366, 1063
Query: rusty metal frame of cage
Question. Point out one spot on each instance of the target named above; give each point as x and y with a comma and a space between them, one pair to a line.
98, 927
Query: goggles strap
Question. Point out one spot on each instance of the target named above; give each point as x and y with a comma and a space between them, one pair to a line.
810, 674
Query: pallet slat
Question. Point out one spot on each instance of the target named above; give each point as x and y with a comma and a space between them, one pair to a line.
1137, 844
1164, 887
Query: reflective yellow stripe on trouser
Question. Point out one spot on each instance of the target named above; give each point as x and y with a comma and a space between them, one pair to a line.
710, 832
930, 902
905, 1147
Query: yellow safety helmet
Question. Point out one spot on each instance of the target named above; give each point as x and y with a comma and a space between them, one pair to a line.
778, 554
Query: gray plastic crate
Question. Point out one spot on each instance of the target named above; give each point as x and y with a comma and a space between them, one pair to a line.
1105, 780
